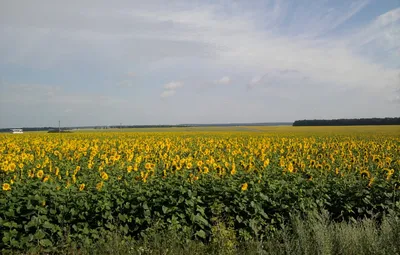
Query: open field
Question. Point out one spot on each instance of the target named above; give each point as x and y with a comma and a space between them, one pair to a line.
389, 130
235, 184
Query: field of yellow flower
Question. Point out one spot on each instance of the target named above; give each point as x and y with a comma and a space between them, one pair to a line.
88, 182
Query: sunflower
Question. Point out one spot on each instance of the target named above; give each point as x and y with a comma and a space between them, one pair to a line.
226, 164
290, 168
308, 176
77, 169
99, 186
104, 176
328, 167
388, 172
6, 186
81, 187
12, 167
244, 186
129, 169
31, 174
365, 174
266, 162
40, 174
376, 158
147, 166
370, 182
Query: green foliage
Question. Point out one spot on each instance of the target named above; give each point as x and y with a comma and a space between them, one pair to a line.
36, 216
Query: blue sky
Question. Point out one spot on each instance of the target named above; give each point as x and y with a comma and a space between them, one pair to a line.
159, 62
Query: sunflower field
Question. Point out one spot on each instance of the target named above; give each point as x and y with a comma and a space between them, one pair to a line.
77, 186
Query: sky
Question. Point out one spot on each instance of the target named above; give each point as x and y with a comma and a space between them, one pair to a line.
98, 62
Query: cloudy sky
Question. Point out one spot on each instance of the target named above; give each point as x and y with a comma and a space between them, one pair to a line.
200, 61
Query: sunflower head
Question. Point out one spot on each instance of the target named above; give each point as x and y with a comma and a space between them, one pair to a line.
104, 176
6, 187
40, 174
365, 174
99, 186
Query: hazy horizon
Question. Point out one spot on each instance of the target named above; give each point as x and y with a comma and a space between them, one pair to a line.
164, 63
177, 124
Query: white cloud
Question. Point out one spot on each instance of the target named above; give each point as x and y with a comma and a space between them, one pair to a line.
173, 85
33, 105
236, 39
168, 93
293, 47
126, 84
170, 88
379, 40
244, 47
254, 82
224, 80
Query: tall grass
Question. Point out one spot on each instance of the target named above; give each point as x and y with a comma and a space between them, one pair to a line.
314, 234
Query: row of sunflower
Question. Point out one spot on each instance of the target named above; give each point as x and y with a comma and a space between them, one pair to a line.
66, 158
89, 181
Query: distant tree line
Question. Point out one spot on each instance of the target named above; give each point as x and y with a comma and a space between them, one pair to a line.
348, 122
27, 129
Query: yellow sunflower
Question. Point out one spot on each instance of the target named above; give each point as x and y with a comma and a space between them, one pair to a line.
365, 174
6, 187
104, 176
40, 174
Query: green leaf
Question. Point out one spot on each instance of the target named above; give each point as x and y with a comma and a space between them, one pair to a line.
201, 234
200, 219
6, 238
39, 234
122, 217
201, 210
264, 197
45, 242
48, 225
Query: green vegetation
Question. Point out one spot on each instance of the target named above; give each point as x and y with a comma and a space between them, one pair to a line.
285, 191
348, 122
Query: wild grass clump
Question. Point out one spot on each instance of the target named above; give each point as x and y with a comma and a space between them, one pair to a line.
315, 233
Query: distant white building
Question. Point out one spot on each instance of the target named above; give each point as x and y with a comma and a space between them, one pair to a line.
17, 131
